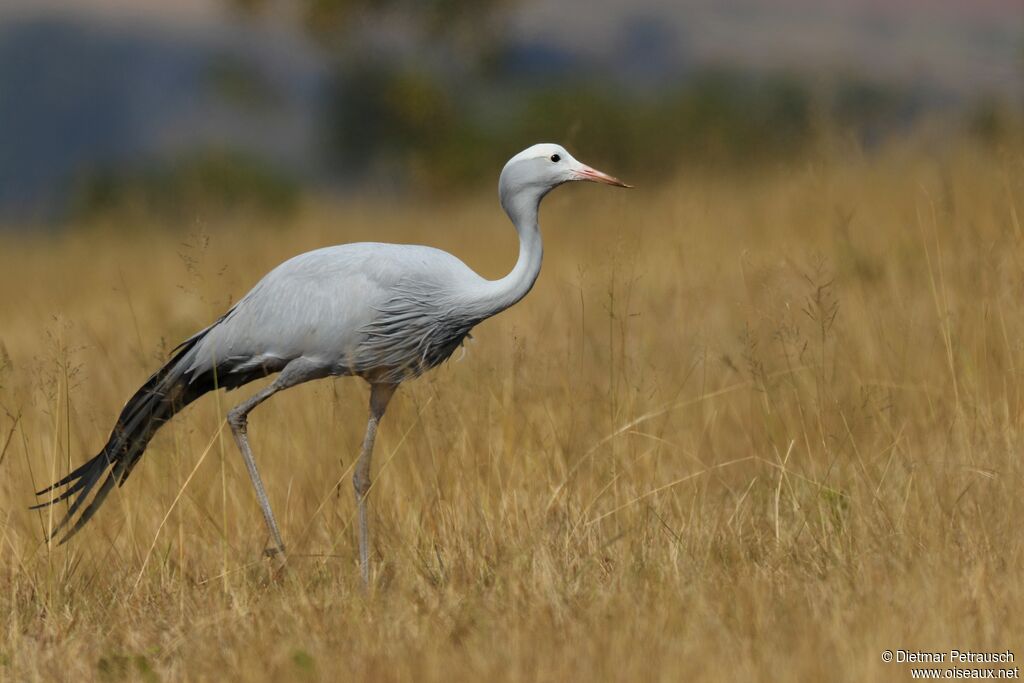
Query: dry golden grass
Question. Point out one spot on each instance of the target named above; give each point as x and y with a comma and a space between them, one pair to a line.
744, 428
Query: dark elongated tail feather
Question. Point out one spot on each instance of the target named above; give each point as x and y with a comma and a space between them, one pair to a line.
169, 390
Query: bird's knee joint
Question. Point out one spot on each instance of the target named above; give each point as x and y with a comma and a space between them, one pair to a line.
361, 483
238, 420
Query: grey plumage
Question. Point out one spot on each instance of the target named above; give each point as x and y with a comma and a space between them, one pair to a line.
383, 312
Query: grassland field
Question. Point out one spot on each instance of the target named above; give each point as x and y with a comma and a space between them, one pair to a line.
747, 427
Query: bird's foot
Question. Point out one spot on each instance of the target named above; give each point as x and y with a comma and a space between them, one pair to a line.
274, 552
278, 562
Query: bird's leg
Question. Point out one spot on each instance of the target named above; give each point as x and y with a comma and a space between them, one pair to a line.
238, 419
296, 372
380, 395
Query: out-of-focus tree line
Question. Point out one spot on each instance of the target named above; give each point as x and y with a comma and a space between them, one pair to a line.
427, 96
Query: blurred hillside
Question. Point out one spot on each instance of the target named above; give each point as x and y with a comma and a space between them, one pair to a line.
106, 104
89, 96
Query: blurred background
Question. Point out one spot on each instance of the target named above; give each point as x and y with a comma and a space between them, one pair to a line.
111, 108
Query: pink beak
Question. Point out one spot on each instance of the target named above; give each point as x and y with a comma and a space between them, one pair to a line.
593, 175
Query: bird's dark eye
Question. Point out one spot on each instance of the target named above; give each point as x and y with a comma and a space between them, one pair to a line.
555, 158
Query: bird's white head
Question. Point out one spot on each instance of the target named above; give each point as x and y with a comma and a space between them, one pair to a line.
537, 170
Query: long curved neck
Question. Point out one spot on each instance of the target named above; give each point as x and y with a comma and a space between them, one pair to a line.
522, 208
